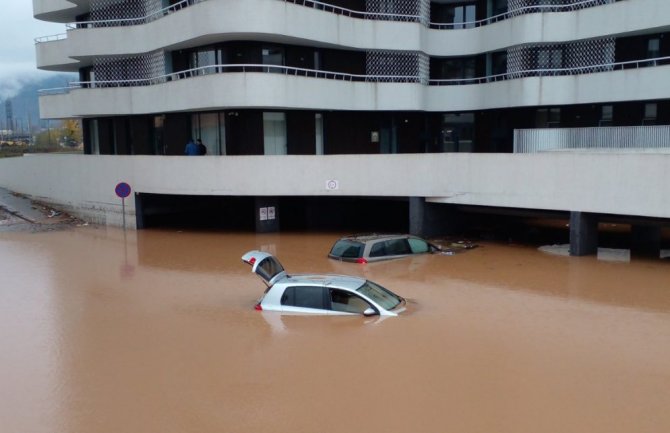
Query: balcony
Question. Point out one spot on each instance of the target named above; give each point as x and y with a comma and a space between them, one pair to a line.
221, 86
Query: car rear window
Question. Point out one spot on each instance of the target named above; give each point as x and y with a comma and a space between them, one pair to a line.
347, 249
392, 247
269, 267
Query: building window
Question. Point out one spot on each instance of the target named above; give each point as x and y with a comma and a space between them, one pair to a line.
457, 132
274, 133
458, 16
548, 117
549, 59
211, 129
606, 115
650, 112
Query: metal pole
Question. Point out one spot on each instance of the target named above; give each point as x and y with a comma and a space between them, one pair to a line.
123, 207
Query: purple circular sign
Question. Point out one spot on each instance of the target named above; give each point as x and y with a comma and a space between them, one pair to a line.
122, 190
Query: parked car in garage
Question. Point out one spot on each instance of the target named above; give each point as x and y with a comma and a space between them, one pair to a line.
319, 293
376, 247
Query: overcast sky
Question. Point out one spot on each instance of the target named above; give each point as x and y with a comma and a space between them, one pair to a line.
17, 45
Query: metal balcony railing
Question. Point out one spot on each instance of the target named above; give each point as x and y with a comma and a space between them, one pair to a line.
596, 138
538, 8
633, 64
50, 38
328, 75
133, 21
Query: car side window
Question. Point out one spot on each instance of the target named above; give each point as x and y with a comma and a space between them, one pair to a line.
304, 297
378, 249
418, 246
396, 247
341, 300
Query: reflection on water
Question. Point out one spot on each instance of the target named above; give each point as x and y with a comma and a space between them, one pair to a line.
154, 331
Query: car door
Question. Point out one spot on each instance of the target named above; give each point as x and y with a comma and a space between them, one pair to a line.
265, 265
390, 249
303, 299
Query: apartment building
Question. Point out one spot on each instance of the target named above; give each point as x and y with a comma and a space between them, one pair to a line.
406, 86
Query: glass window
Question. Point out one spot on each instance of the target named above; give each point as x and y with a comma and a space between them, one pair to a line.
650, 113
341, 300
418, 246
654, 48
274, 133
304, 297
397, 247
385, 298
550, 58
378, 249
606, 115
268, 268
273, 56
347, 249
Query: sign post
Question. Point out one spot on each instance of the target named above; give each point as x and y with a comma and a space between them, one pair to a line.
122, 190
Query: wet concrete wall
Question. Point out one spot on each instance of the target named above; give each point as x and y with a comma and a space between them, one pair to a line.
635, 184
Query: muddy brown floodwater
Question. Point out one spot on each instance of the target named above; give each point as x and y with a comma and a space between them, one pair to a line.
155, 331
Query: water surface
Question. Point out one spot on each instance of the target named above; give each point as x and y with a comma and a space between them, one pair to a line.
154, 331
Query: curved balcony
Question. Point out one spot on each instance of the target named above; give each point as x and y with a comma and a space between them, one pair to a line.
59, 11
275, 21
280, 87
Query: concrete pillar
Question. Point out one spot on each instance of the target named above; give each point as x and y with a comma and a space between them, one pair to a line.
417, 206
431, 219
139, 212
267, 214
583, 234
645, 241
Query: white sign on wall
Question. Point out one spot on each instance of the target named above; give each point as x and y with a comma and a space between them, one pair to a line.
263, 213
271, 213
332, 185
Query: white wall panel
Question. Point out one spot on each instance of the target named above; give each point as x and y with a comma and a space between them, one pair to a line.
618, 183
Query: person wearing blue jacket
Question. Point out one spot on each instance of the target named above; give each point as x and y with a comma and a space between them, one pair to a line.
191, 148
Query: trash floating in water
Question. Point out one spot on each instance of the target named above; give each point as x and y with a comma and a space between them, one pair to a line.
449, 247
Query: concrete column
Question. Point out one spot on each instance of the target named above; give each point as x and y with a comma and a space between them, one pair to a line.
431, 219
267, 214
139, 212
417, 207
645, 241
583, 234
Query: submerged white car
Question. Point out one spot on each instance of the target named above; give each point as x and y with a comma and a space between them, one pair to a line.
320, 294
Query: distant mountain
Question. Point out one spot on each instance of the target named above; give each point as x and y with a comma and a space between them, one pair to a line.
25, 105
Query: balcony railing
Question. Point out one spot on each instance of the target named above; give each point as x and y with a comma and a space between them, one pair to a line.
50, 38
136, 20
379, 16
341, 76
607, 67
538, 8
596, 138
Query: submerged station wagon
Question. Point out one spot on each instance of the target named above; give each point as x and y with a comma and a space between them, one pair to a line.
376, 247
319, 294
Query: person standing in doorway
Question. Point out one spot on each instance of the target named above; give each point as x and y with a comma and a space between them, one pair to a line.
202, 149
191, 148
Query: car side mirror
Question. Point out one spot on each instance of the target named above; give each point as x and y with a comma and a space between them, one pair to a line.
370, 312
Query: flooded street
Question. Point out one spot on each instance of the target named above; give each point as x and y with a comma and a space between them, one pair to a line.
155, 331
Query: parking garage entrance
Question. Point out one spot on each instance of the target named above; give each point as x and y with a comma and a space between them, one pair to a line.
243, 213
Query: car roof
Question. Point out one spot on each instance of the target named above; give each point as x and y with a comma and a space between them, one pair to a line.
339, 281
366, 237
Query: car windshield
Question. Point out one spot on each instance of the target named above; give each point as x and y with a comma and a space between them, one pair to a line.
347, 249
385, 298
